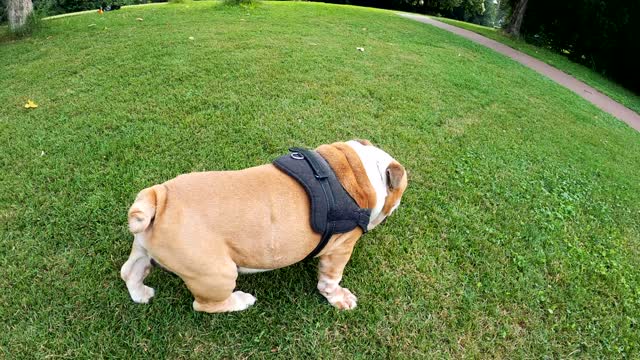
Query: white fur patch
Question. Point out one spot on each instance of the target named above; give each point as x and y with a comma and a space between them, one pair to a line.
238, 301
241, 301
135, 270
243, 270
337, 296
326, 286
375, 163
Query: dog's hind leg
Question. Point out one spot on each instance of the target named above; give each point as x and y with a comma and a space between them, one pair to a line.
135, 270
213, 292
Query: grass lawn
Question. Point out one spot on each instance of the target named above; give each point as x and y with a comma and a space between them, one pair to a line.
517, 238
582, 73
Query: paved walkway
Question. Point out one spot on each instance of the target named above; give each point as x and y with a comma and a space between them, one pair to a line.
590, 94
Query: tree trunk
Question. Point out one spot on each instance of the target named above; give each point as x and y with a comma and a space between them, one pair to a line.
18, 12
516, 18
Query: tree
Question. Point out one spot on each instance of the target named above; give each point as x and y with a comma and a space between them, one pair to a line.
602, 35
18, 12
516, 17
488, 17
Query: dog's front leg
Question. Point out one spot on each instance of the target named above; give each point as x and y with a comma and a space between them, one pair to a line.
330, 271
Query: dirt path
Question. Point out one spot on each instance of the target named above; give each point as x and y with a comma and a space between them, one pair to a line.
590, 94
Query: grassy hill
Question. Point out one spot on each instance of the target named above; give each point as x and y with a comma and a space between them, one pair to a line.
518, 236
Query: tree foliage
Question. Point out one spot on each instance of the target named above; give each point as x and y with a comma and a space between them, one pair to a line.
600, 34
453, 8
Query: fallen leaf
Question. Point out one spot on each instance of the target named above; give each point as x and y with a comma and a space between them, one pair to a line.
30, 105
139, 19
191, 38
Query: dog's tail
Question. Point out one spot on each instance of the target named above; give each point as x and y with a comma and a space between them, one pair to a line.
143, 210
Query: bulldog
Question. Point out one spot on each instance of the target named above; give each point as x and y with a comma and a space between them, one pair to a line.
208, 227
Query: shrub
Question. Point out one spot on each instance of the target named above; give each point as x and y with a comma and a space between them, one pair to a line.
240, 2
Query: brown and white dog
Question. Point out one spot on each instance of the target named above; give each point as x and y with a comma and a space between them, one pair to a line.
207, 227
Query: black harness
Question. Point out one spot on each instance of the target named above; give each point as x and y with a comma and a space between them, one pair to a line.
333, 210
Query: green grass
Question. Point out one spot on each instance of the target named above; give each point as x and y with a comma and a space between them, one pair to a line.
517, 238
581, 72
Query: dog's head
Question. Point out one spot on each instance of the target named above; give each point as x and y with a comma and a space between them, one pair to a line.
387, 176
372, 177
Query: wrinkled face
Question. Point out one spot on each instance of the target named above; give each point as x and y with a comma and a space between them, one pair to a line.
387, 176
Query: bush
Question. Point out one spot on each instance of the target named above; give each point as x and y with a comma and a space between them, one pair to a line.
240, 2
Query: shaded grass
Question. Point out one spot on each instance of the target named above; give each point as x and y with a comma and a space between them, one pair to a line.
581, 72
518, 236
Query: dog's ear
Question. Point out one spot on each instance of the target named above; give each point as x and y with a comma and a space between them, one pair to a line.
364, 142
395, 172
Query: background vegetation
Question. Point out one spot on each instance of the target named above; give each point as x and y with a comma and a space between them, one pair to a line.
602, 35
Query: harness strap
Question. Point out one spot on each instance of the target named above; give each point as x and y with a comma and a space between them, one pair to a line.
320, 173
326, 236
333, 210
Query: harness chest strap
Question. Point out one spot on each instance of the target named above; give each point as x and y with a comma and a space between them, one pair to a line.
333, 210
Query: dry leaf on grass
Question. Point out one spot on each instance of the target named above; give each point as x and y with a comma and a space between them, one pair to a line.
30, 104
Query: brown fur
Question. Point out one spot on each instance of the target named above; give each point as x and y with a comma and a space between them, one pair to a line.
397, 183
350, 172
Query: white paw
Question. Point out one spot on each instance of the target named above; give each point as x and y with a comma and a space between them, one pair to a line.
343, 299
242, 300
143, 295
